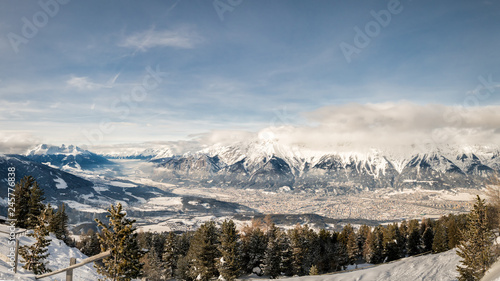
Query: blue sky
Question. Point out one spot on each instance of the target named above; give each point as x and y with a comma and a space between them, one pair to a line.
80, 76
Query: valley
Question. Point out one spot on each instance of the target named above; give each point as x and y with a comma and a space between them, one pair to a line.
166, 192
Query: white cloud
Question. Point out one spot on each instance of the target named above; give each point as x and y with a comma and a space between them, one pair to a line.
183, 38
386, 126
397, 124
17, 142
84, 83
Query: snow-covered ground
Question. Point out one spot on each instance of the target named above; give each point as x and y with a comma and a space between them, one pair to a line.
59, 257
438, 267
493, 274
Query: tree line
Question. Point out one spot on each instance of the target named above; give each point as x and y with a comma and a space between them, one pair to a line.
265, 249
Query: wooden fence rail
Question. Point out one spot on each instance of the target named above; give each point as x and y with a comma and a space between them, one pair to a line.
73, 266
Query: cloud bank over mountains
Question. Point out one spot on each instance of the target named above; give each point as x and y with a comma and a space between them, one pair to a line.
352, 126
390, 125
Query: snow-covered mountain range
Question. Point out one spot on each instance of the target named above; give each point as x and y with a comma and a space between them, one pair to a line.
270, 165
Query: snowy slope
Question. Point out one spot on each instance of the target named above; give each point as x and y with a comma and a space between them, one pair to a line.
438, 267
59, 257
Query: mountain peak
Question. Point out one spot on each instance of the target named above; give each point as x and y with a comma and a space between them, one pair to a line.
46, 149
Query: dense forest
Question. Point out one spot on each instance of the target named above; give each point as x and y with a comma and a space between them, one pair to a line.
265, 249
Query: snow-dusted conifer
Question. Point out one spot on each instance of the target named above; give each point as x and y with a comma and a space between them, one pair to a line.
272, 257
28, 203
203, 252
476, 247
35, 254
170, 254
228, 264
120, 238
253, 247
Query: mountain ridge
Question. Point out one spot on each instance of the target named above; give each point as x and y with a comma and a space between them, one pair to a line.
271, 165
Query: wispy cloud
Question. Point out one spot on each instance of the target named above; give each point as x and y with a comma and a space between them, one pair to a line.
183, 38
84, 83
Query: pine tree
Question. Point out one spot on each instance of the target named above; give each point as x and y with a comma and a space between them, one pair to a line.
35, 254
119, 237
369, 248
50, 216
352, 248
89, 244
312, 248
440, 243
286, 254
334, 252
183, 269
203, 252
391, 238
403, 228
28, 198
325, 252
374, 247
428, 239
228, 265
346, 250
363, 232
21, 199
184, 243
475, 248
272, 256
453, 233
35, 204
299, 249
153, 266
253, 248
171, 254
182, 265
414, 238
58, 224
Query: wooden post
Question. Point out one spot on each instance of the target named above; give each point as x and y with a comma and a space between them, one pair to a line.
17, 253
69, 272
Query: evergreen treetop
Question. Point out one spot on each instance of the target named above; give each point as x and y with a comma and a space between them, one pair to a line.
476, 247
119, 237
